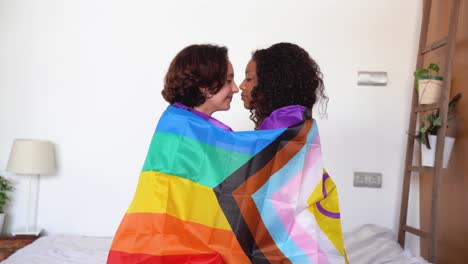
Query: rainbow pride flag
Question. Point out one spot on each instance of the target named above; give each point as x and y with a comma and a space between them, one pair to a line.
210, 196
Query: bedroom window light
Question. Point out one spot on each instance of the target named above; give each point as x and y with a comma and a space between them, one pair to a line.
32, 157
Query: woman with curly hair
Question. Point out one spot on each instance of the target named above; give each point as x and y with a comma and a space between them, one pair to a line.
281, 83
201, 79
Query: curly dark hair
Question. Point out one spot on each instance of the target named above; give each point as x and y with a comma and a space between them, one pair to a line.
286, 75
193, 67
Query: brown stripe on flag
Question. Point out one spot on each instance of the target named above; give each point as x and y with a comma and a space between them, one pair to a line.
243, 195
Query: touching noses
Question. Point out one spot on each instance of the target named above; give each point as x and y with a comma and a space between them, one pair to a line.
234, 87
242, 85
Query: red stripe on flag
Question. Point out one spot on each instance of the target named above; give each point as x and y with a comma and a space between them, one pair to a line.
117, 257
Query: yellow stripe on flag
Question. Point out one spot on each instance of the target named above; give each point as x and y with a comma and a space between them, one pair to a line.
330, 226
163, 193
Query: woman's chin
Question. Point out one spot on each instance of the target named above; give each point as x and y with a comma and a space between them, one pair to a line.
224, 108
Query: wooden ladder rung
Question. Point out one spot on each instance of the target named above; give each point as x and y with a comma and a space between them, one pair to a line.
423, 108
416, 231
435, 45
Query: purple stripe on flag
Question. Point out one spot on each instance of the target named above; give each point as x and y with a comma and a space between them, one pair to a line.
324, 191
208, 118
324, 178
327, 213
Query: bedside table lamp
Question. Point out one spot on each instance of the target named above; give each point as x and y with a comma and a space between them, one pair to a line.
31, 157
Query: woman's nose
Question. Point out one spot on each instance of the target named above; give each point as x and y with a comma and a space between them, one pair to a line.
234, 88
242, 85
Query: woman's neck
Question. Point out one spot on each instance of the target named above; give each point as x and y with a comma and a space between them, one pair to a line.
204, 109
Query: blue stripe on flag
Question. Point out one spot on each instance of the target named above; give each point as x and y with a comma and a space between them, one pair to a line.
177, 121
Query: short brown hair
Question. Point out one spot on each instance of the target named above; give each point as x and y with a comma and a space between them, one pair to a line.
193, 67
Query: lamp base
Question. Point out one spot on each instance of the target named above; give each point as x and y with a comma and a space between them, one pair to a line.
33, 232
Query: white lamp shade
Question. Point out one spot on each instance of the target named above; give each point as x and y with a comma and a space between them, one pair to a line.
32, 156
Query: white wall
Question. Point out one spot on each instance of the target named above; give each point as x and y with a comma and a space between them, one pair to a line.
87, 75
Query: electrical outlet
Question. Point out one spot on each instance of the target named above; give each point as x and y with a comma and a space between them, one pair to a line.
367, 179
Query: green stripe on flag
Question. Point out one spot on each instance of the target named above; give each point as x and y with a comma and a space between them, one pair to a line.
191, 159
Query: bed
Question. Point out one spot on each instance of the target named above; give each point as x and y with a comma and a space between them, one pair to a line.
374, 244
63, 249
366, 244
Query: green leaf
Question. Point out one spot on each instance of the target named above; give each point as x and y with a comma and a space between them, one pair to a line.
425, 118
434, 67
5, 187
421, 72
423, 139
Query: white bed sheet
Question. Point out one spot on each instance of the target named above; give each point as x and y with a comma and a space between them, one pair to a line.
371, 244
368, 244
63, 249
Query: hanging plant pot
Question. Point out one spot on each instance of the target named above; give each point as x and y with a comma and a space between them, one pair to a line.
428, 155
429, 89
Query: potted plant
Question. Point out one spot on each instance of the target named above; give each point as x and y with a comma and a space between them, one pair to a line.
428, 84
5, 187
427, 135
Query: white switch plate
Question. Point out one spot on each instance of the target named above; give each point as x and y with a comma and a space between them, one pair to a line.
372, 78
367, 179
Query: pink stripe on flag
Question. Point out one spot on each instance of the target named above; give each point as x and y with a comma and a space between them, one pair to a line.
297, 233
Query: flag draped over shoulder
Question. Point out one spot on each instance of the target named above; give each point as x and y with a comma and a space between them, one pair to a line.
210, 196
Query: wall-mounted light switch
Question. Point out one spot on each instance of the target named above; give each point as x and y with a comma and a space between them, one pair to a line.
372, 78
367, 179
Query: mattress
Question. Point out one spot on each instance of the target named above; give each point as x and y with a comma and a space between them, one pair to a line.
368, 244
63, 249
374, 244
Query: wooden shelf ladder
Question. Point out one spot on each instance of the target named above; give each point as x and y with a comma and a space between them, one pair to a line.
417, 109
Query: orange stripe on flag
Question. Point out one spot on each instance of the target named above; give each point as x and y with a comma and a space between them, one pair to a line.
165, 235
